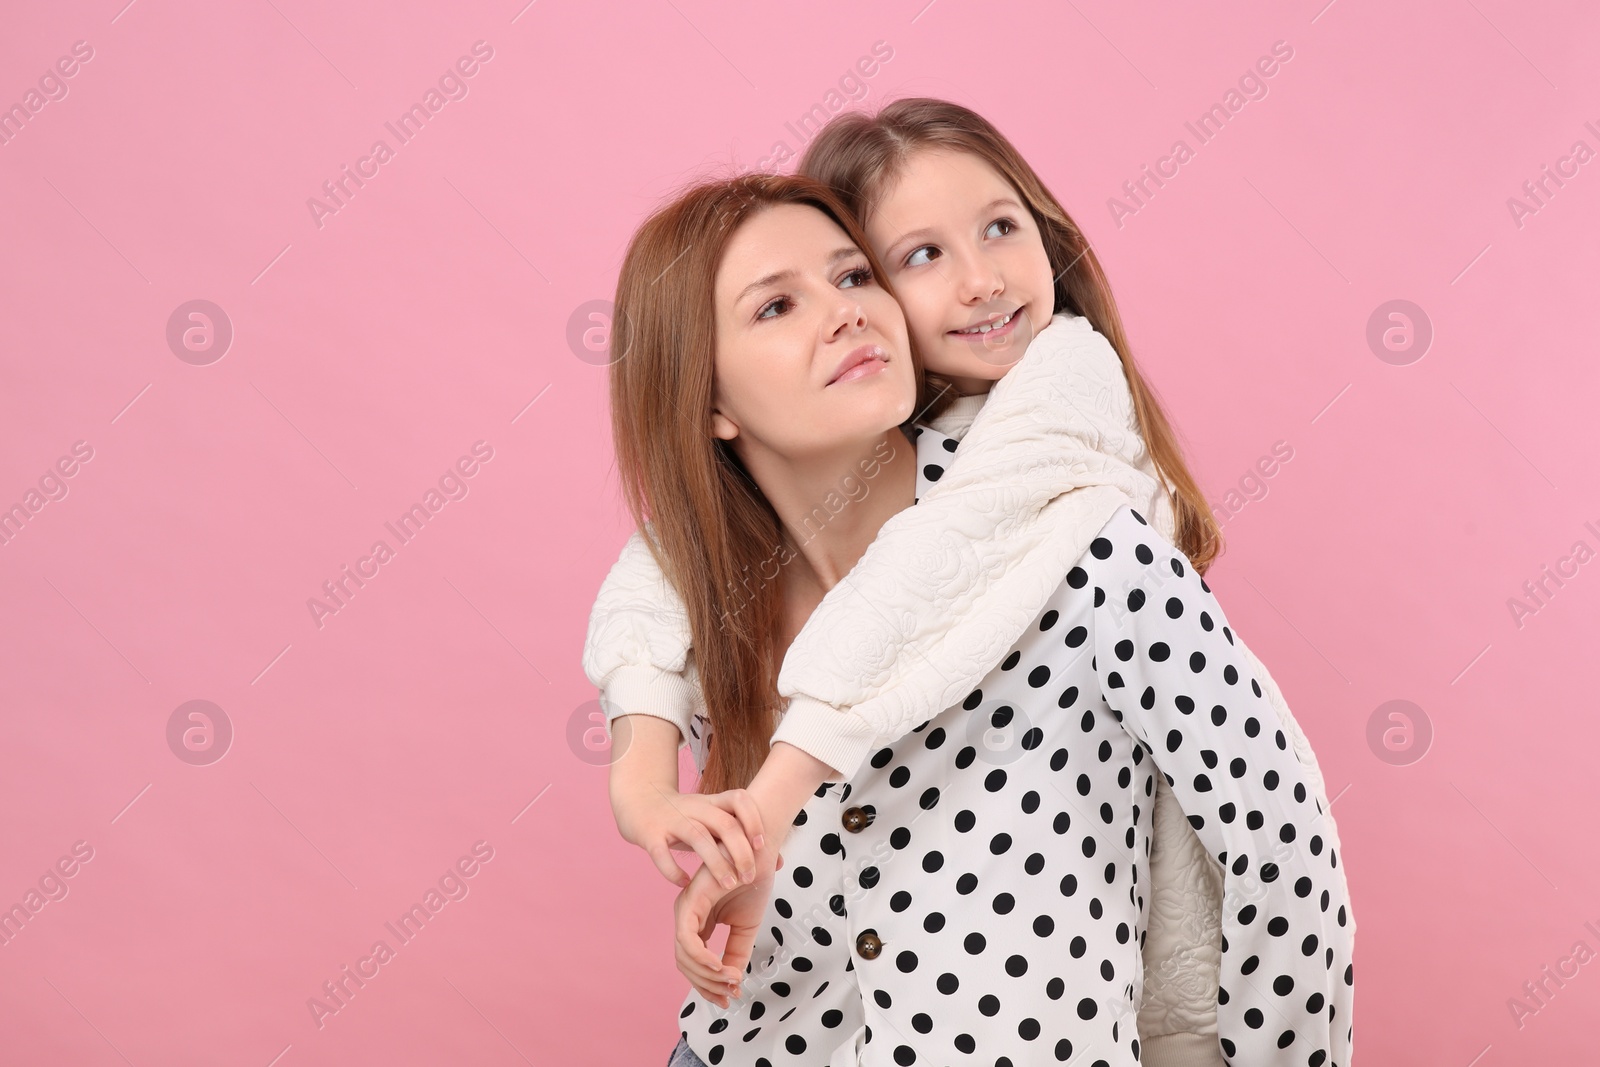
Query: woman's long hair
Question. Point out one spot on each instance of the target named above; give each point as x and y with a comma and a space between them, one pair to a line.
713, 533
860, 156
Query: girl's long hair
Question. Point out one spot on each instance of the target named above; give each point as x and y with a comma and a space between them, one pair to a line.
860, 156
713, 533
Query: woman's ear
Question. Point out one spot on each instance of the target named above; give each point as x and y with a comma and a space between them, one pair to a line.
722, 426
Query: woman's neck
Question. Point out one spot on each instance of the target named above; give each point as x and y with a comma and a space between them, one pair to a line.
833, 505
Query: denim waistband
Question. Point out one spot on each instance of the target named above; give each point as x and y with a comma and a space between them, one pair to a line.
683, 1055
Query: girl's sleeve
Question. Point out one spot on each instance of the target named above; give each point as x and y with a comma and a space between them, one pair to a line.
1170, 669
950, 584
638, 643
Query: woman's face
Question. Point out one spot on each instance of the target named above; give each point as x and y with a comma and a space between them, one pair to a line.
812, 352
962, 250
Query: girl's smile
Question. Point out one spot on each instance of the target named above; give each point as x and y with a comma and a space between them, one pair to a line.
991, 329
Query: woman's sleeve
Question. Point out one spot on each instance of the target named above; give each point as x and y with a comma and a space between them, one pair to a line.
950, 584
638, 643
1302, 749
1170, 669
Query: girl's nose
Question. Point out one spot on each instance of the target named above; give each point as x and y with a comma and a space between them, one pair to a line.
981, 280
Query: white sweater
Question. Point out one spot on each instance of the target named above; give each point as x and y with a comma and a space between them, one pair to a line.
934, 603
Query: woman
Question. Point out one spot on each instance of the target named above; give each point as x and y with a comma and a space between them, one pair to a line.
970, 234
763, 368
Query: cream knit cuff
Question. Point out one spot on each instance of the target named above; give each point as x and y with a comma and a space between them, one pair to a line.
643, 689
841, 739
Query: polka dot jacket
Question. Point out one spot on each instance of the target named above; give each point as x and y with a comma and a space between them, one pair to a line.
976, 892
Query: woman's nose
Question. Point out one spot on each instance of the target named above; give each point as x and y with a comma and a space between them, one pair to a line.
849, 315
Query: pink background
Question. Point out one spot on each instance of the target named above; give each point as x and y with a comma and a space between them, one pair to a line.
437, 708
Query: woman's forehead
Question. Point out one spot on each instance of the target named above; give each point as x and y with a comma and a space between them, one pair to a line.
777, 240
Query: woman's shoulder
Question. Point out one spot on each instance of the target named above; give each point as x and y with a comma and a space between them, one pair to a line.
1129, 560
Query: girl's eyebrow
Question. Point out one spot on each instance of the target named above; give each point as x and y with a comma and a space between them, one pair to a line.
923, 231
1003, 201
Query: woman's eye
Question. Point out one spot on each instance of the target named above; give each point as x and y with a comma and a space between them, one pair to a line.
863, 276
762, 314
1007, 223
913, 261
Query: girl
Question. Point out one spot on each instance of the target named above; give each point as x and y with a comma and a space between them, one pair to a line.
928, 177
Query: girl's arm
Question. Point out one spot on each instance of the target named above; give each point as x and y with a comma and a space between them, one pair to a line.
950, 584
945, 588
725, 828
637, 646
637, 654
965, 570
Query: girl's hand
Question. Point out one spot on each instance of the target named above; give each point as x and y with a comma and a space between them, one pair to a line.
701, 908
723, 828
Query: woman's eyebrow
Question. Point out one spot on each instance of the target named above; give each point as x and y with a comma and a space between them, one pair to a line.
762, 283
835, 256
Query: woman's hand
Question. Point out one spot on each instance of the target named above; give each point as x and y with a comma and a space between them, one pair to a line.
723, 828
701, 908
787, 779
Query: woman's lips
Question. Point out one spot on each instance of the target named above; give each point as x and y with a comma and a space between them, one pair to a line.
993, 334
861, 370
867, 359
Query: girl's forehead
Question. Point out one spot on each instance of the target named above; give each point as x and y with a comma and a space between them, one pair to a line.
932, 185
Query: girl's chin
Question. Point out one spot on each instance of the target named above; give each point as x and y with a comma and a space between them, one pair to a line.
993, 363
971, 370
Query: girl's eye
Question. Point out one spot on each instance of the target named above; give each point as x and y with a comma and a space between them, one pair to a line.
933, 253
762, 314
863, 274
1007, 223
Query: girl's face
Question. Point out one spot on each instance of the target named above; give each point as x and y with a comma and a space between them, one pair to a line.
812, 353
963, 251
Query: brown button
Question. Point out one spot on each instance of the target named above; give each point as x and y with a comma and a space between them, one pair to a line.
868, 946
856, 819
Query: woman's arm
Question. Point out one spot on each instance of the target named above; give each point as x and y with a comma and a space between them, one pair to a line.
1171, 670
1301, 745
786, 781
